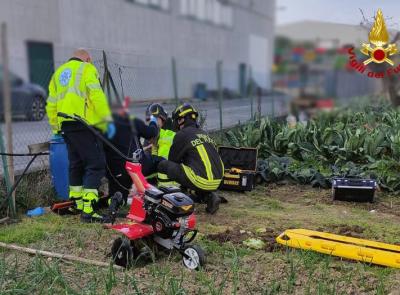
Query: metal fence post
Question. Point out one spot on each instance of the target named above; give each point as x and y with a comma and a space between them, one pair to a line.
7, 112
175, 81
5, 168
220, 94
106, 78
259, 94
273, 104
251, 92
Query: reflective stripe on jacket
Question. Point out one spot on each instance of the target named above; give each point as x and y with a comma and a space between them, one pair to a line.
196, 151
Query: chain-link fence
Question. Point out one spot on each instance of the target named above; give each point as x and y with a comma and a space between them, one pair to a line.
144, 79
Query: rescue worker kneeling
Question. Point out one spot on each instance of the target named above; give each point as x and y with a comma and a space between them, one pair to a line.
193, 158
161, 145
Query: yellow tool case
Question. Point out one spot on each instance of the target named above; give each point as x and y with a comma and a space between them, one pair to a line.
346, 247
240, 168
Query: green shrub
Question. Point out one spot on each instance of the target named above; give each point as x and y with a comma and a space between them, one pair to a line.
344, 142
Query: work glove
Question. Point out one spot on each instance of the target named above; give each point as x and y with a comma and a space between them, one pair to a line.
111, 130
156, 161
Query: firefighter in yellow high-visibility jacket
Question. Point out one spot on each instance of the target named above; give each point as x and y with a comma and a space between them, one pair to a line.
75, 89
163, 142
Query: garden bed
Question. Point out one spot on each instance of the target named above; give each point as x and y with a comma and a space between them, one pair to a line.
232, 268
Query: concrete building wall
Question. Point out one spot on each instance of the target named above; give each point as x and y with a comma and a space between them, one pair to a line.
144, 39
26, 21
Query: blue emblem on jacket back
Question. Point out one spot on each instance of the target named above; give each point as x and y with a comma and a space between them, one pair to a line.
65, 76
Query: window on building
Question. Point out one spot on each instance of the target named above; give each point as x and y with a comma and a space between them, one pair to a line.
184, 7
209, 10
212, 11
217, 13
164, 4
201, 10
226, 16
192, 7
159, 4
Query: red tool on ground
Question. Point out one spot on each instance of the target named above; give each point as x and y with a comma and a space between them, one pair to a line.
63, 208
163, 218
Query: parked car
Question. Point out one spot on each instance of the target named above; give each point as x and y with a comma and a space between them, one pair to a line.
28, 100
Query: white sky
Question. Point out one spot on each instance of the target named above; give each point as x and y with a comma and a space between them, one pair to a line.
337, 11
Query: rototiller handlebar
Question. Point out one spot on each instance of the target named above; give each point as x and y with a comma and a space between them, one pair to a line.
75, 117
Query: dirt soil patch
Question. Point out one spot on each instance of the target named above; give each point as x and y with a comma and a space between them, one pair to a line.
237, 236
354, 231
304, 195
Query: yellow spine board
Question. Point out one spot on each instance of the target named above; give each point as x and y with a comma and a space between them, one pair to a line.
346, 247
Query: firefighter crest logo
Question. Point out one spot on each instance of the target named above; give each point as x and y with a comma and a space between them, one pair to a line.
379, 38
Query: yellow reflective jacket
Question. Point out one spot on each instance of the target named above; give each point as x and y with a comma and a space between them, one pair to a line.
164, 142
75, 89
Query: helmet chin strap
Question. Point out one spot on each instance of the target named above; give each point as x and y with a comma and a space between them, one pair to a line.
181, 124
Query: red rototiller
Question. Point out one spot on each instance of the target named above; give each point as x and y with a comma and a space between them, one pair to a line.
158, 218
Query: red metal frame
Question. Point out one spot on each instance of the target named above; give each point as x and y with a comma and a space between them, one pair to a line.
136, 229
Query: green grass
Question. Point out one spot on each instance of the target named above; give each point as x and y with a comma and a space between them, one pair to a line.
31, 230
231, 267
314, 273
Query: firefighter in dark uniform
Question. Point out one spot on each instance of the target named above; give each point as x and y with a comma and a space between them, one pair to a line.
193, 158
129, 130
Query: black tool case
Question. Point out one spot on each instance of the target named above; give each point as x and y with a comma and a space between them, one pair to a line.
240, 168
353, 190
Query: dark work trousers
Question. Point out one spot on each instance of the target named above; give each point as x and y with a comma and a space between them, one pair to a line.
86, 158
149, 164
119, 179
175, 172
149, 167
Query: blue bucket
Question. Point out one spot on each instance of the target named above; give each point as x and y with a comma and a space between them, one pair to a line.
59, 167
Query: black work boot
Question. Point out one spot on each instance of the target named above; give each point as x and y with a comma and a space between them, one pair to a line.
213, 202
115, 202
194, 196
75, 209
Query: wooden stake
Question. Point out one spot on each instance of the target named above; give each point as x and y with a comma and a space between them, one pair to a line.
4, 219
7, 111
58, 255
